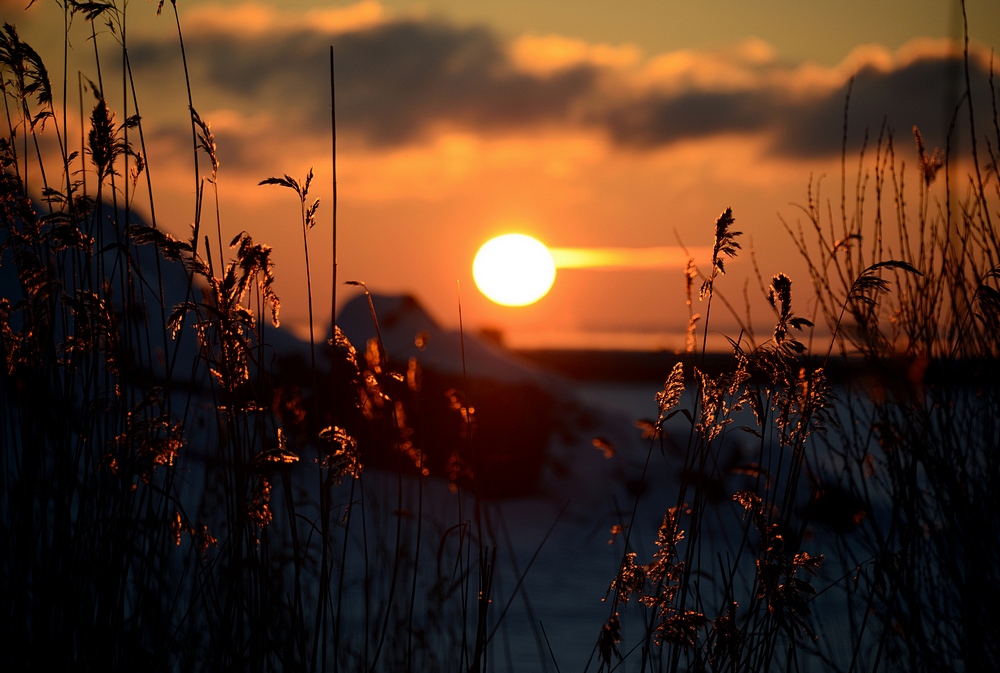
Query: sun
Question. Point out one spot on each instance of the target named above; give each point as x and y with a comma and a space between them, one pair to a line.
514, 270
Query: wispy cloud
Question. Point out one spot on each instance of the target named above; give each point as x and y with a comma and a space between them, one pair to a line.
253, 19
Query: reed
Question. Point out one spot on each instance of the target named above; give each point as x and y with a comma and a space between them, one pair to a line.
867, 510
155, 513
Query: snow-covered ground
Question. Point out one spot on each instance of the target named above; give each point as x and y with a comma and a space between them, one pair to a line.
557, 553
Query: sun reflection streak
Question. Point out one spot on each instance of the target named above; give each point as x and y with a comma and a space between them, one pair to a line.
662, 257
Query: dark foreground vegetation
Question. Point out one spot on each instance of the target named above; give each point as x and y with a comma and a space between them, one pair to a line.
171, 500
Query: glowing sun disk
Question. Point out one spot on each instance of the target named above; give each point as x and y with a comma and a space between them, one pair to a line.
514, 270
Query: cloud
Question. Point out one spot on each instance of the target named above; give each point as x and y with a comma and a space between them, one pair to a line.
394, 81
255, 19
545, 55
656, 120
924, 93
402, 80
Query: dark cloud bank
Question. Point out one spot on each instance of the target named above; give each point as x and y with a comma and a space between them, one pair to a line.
397, 80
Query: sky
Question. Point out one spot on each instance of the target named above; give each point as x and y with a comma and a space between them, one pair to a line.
583, 123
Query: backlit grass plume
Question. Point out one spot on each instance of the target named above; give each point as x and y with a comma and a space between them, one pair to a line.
725, 245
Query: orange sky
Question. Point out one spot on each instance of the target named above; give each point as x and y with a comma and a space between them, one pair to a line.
579, 125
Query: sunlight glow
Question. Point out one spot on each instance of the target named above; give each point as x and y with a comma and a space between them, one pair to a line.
664, 257
514, 270
517, 270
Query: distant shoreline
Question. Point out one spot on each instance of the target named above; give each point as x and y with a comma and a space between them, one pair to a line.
654, 366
